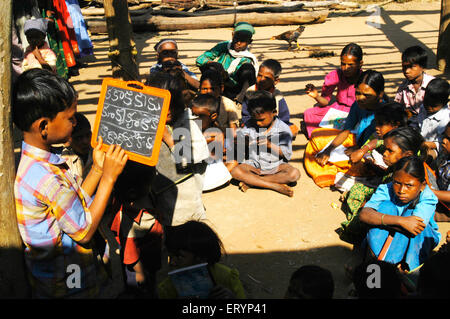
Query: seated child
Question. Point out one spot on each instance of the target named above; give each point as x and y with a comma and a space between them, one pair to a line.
194, 243
270, 148
78, 152
358, 129
236, 59
398, 143
227, 115
135, 225
344, 80
434, 115
178, 184
167, 51
267, 78
56, 215
38, 54
310, 282
206, 107
401, 216
412, 90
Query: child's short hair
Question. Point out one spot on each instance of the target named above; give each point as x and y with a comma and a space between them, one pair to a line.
436, 92
207, 101
434, 277
197, 238
415, 55
215, 66
214, 78
311, 282
39, 93
260, 101
274, 66
392, 113
82, 123
354, 50
390, 283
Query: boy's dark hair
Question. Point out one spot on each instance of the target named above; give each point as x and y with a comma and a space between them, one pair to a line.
82, 123
311, 282
274, 66
436, 93
389, 280
197, 238
207, 101
215, 66
214, 78
415, 55
392, 113
244, 36
407, 138
134, 181
174, 85
39, 93
354, 50
434, 277
260, 101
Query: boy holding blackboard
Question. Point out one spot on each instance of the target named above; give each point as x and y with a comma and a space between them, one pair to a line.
56, 216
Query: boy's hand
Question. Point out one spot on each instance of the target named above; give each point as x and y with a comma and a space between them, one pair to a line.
167, 138
98, 156
429, 145
114, 163
413, 224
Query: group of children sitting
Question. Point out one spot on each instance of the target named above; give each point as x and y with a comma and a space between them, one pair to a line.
239, 127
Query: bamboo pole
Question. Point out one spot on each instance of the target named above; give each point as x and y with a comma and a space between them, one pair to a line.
13, 282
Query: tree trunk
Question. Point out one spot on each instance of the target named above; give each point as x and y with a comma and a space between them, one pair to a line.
160, 23
122, 48
13, 282
443, 49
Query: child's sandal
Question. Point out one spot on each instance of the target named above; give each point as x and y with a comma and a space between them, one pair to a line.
243, 187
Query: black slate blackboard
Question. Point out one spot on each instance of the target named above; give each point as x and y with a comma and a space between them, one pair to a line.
133, 116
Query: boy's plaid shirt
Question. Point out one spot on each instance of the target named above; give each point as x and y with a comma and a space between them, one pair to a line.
53, 215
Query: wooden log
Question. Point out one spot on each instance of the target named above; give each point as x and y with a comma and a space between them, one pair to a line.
159, 23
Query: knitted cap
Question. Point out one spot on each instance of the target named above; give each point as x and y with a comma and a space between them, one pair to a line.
160, 43
244, 26
37, 24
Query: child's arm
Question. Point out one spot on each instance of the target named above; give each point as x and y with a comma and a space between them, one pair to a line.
322, 158
357, 155
443, 196
41, 59
314, 93
114, 163
91, 181
211, 54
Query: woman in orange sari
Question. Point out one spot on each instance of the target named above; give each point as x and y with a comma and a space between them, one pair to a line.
358, 129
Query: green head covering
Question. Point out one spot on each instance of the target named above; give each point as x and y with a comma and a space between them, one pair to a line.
244, 26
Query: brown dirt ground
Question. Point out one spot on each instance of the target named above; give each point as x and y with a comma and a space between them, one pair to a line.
267, 235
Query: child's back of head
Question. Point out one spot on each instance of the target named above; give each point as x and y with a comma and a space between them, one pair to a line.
40, 93
310, 282
207, 101
415, 55
392, 113
376, 279
134, 182
436, 94
196, 238
434, 277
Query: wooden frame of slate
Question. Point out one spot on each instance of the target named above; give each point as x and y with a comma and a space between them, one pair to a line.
133, 116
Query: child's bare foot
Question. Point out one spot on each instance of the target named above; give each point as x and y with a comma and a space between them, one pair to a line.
243, 187
284, 189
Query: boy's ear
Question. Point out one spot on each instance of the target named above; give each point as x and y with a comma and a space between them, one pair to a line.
408, 153
42, 126
276, 81
361, 63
